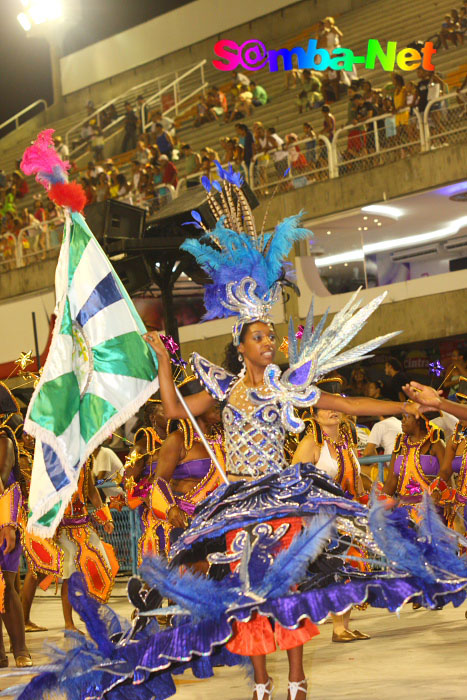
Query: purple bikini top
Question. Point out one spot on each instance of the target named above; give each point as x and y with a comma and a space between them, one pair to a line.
456, 464
429, 464
194, 469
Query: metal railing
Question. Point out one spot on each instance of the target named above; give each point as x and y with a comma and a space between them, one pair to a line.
173, 93
75, 129
30, 244
168, 97
16, 117
294, 166
377, 141
445, 120
163, 194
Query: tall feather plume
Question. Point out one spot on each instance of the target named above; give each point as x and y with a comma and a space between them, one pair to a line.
291, 564
203, 597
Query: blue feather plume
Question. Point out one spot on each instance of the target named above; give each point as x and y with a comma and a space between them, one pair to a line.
203, 597
237, 255
441, 542
291, 564
395, 537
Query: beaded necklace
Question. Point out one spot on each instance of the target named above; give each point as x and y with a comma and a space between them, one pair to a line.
347, 464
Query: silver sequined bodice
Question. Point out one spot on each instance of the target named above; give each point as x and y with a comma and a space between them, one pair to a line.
254, 435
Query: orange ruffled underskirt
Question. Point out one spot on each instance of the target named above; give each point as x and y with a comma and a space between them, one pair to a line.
259, 635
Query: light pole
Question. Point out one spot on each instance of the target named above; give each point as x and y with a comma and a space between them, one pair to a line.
45, 19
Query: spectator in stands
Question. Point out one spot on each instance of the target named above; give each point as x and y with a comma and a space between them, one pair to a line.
411, 100
330, 85
61, 148
365, 110
246, 140
102, 187
39, 211
202, 112
261, 147
243, 104
209, 153
358, 385
143, 154
168, 124
192, 164
20, 184
93, 170
97, 144
206, 167
321, 37
231, 151
239, 80
2, 179
130, 126
87, 132
278, 154
163, 141
451, 30
217, 103
329, 123
260, 96
333, 34
168, 171
383, 434
123, 186
51, 211
401, 111
114, 186
311, 142
89, 190
397, 379
298, 161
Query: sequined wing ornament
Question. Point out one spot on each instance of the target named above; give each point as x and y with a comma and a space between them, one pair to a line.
318, 354
246, 266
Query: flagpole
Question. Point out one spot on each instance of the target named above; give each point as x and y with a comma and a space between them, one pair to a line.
202, 436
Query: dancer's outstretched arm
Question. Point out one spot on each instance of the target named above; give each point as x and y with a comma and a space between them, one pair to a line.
432, 399
365, 406
197, 403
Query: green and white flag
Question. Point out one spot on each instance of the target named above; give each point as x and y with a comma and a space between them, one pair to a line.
98, 373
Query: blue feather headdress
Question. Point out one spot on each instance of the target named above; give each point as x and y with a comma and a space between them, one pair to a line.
246, 267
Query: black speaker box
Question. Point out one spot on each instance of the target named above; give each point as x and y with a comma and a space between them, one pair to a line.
113, 220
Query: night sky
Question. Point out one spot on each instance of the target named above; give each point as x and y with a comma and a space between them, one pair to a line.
24, 62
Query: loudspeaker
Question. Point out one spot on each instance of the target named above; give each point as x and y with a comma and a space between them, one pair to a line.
134, 273
113, 220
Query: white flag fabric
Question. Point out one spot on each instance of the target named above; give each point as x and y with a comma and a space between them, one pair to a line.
98, 373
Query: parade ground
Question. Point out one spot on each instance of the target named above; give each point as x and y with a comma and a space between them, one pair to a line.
418, 655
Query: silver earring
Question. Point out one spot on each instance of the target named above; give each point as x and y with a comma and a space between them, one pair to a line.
242, 372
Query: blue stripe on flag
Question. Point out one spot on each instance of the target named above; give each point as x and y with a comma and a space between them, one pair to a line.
104, 294
54, 467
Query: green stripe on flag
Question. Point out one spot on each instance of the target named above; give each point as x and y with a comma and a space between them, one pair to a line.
93, 413
66, 327
48, 517
56, 403
127, 354
79, 239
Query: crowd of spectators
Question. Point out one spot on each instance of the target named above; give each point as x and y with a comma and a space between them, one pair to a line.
159, 159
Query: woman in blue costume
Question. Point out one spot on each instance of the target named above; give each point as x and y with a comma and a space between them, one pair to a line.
258, 403
284, 575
